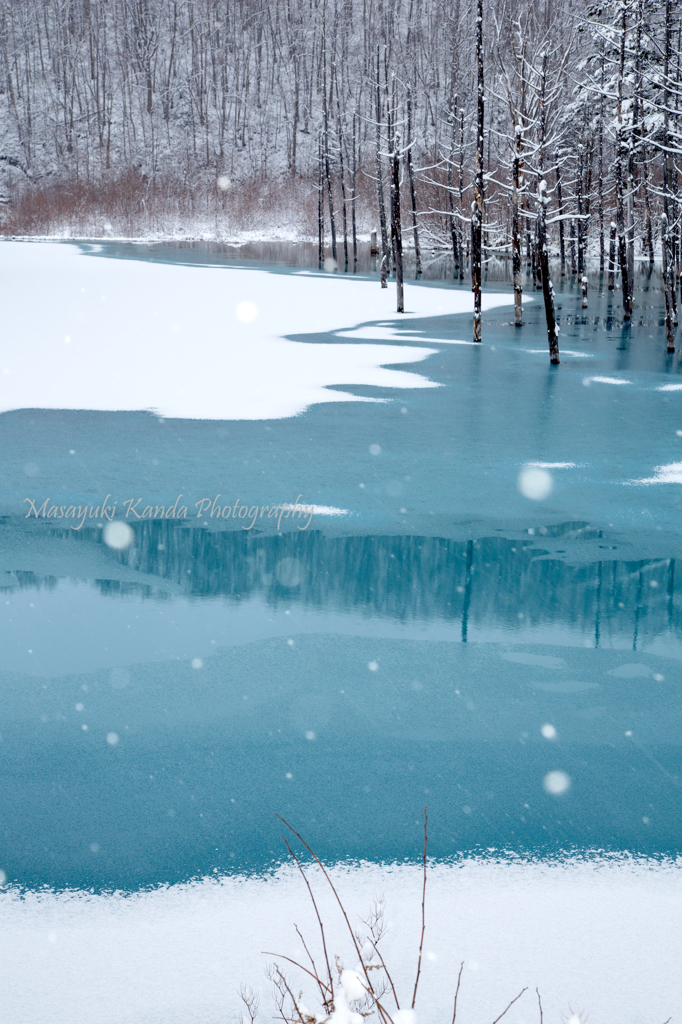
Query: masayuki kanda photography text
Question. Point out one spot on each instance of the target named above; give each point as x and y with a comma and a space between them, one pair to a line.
133, 509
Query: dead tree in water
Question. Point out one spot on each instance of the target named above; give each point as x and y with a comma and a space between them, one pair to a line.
543, 200
516, 230
612, 256
668, 285
583, 214
477, 205
547, 289
669, 182
600, 182
621, 158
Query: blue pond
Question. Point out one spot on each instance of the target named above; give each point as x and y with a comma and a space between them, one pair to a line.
407, 653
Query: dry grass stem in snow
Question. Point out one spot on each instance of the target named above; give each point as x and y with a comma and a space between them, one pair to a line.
347, 995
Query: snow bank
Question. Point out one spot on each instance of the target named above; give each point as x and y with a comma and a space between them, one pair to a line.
597, 937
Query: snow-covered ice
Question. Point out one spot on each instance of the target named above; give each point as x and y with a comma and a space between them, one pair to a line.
195, 342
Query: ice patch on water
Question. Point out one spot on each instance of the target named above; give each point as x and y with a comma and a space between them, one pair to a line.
555, 465
606, 380
564, 352
331, 510
669, 474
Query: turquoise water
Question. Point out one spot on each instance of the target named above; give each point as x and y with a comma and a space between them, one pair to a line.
407, 653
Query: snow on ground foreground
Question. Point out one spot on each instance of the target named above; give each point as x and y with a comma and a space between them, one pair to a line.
598, 938
194, 342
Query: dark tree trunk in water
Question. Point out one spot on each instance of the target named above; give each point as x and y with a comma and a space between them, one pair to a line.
668, 162
621, 155
543, 251
477, 205
547, 289
582, 229
668, 285
397, 227
612, 257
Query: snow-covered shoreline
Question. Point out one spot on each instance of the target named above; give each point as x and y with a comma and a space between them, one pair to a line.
596, 936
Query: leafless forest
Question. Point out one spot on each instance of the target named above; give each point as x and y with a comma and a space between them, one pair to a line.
209, 118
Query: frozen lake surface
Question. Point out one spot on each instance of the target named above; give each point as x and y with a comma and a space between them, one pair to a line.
482, 614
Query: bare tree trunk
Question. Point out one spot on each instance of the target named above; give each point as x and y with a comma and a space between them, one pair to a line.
600, 185
543, 250
410, 172
668, 285
581, 227
320, 206
390, 136
477, 205
516, 233
353, 193
536, 273
397, 227
668, 161
612, 257
451, 198
327, 170
547, 289
648, 225
461, 186
343, 184
620, 180
562, 244
380, 183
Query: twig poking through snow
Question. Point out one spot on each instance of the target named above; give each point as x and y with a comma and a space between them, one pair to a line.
421, 943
